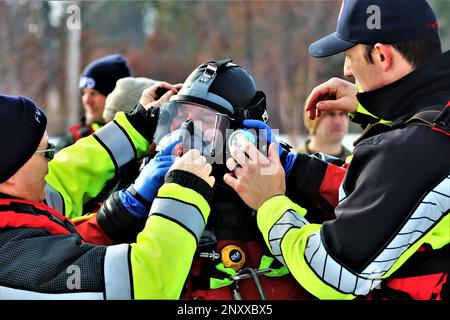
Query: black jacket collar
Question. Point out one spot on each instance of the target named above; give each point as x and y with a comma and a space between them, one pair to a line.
427, 85
6, 196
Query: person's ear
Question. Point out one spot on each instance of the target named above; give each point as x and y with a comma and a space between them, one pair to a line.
383, 55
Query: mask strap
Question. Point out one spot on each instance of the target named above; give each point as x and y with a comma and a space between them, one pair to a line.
208, 76
212, 152
257, 110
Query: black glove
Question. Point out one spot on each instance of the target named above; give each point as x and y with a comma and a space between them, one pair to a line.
144, 121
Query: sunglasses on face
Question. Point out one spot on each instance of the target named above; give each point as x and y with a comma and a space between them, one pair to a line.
49, 152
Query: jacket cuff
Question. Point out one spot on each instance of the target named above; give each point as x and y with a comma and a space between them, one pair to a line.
144, 121
117, 222
191, 181
272, 210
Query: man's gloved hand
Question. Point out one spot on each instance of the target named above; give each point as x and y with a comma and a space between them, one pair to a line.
140, 195
287, 158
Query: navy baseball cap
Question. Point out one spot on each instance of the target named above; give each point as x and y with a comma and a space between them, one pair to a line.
377, 21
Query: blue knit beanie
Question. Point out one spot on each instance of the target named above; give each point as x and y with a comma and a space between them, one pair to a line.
102, 74
22, 125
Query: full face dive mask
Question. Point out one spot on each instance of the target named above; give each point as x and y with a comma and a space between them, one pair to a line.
213, 101
197, 126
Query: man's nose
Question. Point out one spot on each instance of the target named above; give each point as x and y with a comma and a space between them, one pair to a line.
347, 69
88, 99
338, 120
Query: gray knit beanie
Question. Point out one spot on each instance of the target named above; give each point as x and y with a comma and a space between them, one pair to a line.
125, 95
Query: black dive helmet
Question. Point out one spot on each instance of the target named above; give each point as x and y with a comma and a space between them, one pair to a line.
217, 96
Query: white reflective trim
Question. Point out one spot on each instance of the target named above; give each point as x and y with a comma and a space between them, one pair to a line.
365, 286
342, 194
117, 142
348, 281
281, 259
441, 196
312, 245
185, 214
375, 284
443, 188
317, 260
388, 254
342, 197
117, 272
431, 214
378, 268
330, 271
293, 217
287, 221
401, 241
333, 272
275, 245
421, 225
278, 231
7, 293
434, 205
54, 199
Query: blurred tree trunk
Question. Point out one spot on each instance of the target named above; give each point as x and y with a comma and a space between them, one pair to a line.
51, 85
72, 66
249, 36
10, 25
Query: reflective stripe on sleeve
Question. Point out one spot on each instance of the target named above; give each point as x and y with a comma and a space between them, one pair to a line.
117, 272
185, 214
431, 210
289, 220
117, 143
332, 272
428, 213
7, 293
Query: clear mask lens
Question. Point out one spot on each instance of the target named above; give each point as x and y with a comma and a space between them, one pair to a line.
198, 126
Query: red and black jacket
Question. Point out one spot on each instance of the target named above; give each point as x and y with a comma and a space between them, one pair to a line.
41, 250
392, 167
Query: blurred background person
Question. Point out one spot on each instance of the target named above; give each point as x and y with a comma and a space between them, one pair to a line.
41, 250
326, 134
129, 94
97, 80
125, 96
57, 39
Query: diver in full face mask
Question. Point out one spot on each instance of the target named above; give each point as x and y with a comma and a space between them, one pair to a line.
215, 100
